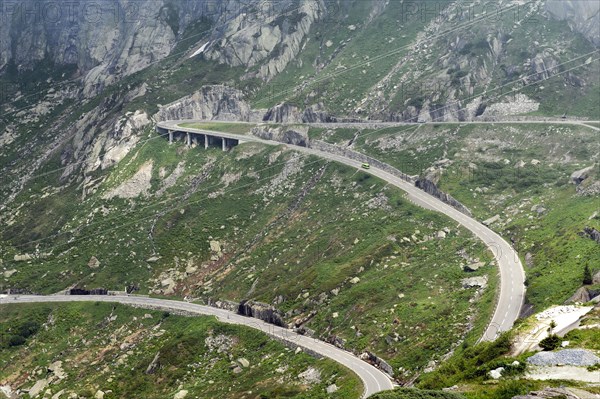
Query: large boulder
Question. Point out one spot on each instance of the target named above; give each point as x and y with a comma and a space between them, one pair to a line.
592, 233
580, 175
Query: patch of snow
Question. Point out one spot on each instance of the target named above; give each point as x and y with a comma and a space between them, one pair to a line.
200, 50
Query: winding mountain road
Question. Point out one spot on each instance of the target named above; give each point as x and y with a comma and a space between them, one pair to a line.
512, 275
509, 301
374, 380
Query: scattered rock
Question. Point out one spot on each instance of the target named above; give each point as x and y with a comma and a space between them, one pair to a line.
539, 209
310, 376
472, 282
474, 266
220, 343
9, 273
243, 362
169, 285
529, 259
23, 258
215, 246
38, 387
491, 220
99, 395
331, 388
94, 263
154, 364
496, 373
592, 233
355, 280
57, 369
181, 394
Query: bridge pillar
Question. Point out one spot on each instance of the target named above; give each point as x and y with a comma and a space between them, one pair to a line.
224, 144
170, 137
188, 139
205, 141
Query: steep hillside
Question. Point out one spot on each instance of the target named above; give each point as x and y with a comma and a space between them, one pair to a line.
114, 351
92, 197
536, 184
311, 238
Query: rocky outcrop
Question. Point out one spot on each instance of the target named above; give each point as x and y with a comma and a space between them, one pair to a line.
287, 113
122, 139
138, 185
583, 16
429, 187
283, 113
295, 135
592, 233
154, 364
261, 311
585, 294
273, 35
582, 295
211, 103
579, 176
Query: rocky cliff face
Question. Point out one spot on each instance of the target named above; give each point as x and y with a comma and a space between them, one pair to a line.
273, 33
105, 40
211, 102
261, 311
582, 15
287, 113
429, 187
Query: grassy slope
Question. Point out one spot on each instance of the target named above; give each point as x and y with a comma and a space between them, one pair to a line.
478, 153
110, 346
349, 224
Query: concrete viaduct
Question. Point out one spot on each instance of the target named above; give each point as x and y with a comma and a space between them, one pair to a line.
198, 137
